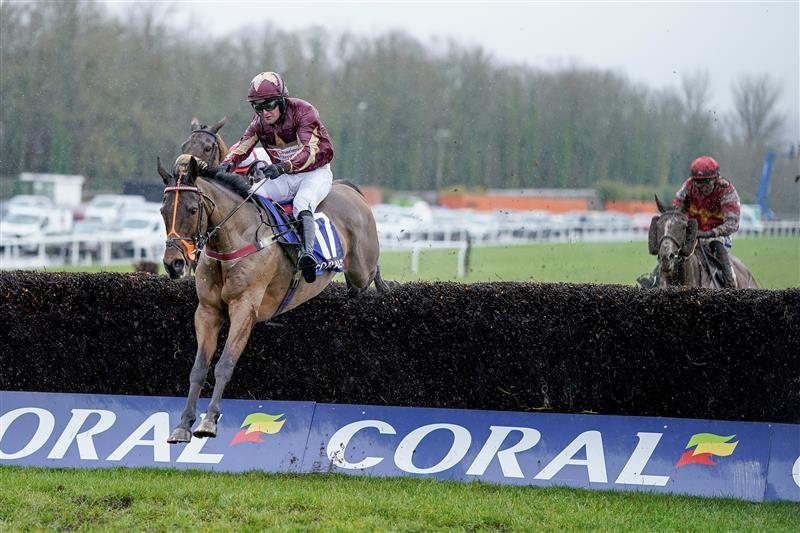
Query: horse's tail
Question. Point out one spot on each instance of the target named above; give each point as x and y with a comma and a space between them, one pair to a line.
352, 185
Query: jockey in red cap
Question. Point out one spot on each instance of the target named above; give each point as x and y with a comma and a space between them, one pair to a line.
301, 150
713, 201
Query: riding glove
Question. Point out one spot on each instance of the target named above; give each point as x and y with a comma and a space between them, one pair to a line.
273, 171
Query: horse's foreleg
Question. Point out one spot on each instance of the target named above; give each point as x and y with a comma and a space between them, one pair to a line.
207, 323
242, 314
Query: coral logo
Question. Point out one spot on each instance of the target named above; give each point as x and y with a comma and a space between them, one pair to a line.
255, 424
706, 445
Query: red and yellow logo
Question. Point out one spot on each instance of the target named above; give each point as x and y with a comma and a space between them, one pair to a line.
706, 445
255, 425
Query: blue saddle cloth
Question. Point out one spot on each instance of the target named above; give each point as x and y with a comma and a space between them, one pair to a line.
327, 246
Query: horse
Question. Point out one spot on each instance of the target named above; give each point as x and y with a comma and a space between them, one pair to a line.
252, 280
205, 142
682, 260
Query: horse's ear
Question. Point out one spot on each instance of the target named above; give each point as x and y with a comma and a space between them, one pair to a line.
660, 206
195, 123
691, 236
166, 176
218, 125
193, 170
652, 236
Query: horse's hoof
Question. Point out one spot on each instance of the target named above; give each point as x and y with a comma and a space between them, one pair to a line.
179, 435
206, 429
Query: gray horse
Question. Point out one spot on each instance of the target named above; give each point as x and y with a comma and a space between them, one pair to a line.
682, 259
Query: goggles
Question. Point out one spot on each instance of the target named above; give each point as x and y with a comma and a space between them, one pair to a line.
266, 105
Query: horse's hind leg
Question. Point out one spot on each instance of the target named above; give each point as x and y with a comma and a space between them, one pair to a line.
353, 291
242, 312
382, 286
207, 323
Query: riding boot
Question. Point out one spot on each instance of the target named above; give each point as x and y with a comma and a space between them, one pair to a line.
305, 261
724, 258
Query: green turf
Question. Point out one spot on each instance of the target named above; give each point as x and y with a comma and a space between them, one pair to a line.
167, 500
775, 262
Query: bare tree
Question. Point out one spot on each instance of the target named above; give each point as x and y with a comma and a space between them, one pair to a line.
755, 99
696, 91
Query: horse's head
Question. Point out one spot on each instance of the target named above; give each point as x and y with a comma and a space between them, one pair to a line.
182, 207
672, 237
205, 142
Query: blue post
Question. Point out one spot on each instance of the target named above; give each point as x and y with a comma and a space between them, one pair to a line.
763, 187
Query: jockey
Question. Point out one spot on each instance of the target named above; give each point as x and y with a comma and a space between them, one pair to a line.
713, 201
300, 151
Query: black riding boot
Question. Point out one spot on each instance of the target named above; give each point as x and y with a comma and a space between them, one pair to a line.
724, 258
306, 262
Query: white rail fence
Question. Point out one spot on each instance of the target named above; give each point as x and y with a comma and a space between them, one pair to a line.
114, 249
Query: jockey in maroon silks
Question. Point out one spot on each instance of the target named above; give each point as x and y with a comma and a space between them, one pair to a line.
713, 201
300, 149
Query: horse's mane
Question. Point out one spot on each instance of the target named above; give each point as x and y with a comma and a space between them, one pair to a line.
232, 182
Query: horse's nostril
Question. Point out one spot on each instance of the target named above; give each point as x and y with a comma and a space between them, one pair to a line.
178, 265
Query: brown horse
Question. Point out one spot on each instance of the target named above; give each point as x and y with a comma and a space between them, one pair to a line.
211, 213
682, 260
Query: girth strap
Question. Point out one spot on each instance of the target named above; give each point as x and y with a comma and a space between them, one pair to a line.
241, 252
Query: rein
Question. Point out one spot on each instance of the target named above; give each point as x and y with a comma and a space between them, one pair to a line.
192, 246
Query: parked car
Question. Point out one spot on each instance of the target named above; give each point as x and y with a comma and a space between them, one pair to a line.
56, 219
109, 208
22, 225
142, 228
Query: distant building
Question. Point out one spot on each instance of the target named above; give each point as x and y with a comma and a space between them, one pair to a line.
64, 190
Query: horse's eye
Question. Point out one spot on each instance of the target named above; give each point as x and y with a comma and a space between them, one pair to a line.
193, 210
207, 149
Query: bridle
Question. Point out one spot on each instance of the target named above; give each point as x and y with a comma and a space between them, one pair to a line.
681, 255
189, 247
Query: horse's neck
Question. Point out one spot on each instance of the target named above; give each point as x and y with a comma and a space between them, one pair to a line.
239, 229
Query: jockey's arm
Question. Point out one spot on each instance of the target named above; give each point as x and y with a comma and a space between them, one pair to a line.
730, 224
242, 148
731, 207
315, 147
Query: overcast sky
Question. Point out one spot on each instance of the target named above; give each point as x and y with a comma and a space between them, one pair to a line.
654, 43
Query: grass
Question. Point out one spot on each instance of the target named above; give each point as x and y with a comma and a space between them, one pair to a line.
774, 261
167, 500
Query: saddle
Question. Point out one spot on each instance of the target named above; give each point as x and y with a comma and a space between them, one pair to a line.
328, 251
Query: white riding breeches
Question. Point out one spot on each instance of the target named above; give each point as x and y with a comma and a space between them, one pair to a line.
307, 188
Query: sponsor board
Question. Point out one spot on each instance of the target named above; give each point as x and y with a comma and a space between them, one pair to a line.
94, 431
783, 479
698, 457
750, 461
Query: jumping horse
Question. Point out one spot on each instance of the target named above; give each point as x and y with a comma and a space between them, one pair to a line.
242, 273
682, 259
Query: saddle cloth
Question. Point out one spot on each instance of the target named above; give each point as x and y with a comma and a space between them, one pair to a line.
327, 246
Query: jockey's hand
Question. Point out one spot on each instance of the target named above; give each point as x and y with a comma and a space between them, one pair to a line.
706, 234
273, 171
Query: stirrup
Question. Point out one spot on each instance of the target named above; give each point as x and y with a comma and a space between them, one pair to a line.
308, 266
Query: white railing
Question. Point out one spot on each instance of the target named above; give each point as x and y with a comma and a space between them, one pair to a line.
115, 249
61, 250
